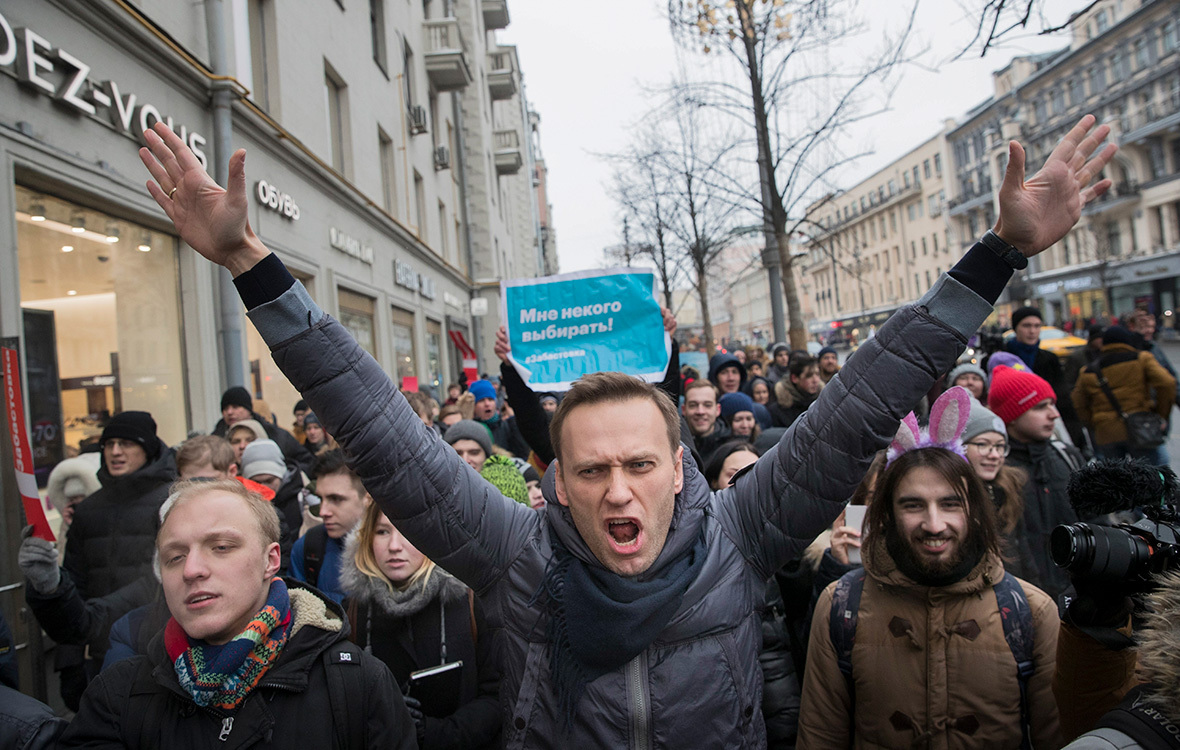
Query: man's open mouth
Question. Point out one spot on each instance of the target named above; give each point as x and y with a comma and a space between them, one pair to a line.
624, 532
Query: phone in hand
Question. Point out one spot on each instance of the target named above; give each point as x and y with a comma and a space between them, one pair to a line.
854, 517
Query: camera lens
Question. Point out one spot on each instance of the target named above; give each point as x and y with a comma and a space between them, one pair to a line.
1100, 553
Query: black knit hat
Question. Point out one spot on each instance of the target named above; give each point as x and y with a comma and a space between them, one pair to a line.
137, 426
300, 405
1025, 312
237, 396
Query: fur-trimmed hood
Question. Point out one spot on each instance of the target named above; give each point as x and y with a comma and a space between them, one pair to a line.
80, 473
787, 395
367, 590
1159, 645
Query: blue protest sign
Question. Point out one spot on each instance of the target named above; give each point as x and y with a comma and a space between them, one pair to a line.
563, 327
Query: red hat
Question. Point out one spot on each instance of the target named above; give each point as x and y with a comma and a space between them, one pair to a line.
1013, 392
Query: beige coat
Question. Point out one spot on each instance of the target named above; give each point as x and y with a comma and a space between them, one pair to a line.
931, 668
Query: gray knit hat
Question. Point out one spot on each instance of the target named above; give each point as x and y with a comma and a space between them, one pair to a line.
963, 369
469, 429
980, 420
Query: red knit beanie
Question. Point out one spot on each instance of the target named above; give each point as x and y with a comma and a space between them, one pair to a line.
1013, 392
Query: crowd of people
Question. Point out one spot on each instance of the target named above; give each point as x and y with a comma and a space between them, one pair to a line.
784, 553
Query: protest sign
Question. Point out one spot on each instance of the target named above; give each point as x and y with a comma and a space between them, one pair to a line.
563, 327
22, 456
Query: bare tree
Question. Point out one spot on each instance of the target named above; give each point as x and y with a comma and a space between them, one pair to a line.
1000, 20
803, 88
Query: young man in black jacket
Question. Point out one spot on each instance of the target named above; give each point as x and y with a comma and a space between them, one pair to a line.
247, 658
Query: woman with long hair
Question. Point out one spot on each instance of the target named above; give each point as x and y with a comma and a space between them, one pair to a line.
413, 615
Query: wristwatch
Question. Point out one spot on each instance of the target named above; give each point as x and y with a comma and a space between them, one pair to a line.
1007, 253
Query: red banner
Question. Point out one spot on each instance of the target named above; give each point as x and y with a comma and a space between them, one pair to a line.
467, 354
22, 456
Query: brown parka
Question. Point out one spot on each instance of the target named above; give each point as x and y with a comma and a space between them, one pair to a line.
930, 667
1132, 375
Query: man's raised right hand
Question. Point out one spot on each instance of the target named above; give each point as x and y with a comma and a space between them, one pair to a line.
211, 219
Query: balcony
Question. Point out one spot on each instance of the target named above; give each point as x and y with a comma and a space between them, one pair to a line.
446, 64
495, 14
507, 152
502, 73
1119, 194
965, 202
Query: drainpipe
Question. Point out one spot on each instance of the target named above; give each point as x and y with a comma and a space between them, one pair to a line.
461, 165
230, 324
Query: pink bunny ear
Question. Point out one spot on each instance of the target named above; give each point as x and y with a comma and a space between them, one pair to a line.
948, 416
907, 437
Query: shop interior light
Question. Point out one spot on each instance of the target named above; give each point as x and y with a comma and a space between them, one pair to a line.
145, 243
37, 211
112, 232
77, 223
67, 248
72, 293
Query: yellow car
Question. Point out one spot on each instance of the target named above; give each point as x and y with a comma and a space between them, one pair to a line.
1054, 340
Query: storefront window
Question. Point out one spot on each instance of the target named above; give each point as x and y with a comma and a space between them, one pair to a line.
101, 306
267, 382
403, 345
434, 356
356, 314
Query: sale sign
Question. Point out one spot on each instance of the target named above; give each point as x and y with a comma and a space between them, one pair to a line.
22, 456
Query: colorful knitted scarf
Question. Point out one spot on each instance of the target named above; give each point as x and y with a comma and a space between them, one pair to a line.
223, 676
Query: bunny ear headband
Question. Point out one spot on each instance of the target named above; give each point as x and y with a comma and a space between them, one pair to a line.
948, 419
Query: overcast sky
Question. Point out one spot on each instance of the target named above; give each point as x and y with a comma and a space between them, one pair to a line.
586, 67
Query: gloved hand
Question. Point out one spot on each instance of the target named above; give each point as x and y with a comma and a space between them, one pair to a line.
38, 561
415, 707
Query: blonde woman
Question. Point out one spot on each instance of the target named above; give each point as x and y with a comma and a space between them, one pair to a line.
413, 615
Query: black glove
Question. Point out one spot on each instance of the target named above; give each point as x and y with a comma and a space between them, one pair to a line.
1099, 604
415, 708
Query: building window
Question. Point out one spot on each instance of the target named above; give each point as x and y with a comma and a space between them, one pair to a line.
1168, 36
938, 165
1058, 101
404, 354
388, 156
408, 74
443, 250
336, 96
1102, 21
377, 31
434, 357
916, 174
925, 250
1039, 112
934, 240
100, 308
926, 169
356, 315
260, 20
905, 178
1077, 94
420, 205
1097, 79
1143, 52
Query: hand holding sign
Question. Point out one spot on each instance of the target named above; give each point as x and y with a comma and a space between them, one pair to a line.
559, 328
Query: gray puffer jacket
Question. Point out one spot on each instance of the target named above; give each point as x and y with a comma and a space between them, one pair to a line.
698, 684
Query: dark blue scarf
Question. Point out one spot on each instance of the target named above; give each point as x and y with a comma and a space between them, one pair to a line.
599, 620
1027, 352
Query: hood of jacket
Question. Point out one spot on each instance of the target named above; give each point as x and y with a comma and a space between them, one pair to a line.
880, 566
1159, 645
81, 468
687, 516
364, 589
720, 361
787, 395
159, 470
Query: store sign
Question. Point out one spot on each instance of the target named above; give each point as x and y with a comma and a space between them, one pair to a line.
404, 275
350, 246
1079, 284
281, 203
451, 300
54, 72
1044, 290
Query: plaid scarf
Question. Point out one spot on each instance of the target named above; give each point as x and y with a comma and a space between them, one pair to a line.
223, 676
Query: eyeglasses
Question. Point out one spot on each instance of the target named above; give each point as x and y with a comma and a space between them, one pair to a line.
985, 448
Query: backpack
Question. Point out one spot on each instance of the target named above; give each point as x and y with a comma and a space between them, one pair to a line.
1015, 614
346, 680
315, 542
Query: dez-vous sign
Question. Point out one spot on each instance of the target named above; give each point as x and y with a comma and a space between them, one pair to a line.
36, 59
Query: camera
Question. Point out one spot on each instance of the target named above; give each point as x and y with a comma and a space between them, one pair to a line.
1129, 553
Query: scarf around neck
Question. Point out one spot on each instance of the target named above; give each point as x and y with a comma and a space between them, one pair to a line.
599, 620
1026, 352
223, 676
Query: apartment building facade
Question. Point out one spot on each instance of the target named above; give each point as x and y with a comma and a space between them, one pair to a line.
1122, 65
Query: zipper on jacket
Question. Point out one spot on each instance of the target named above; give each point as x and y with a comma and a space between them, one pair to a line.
637, 687
227, 726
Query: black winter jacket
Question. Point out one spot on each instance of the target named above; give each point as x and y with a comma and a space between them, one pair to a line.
1046, 505
290, 708
26, 723
502, 549
408, 644
113, 535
